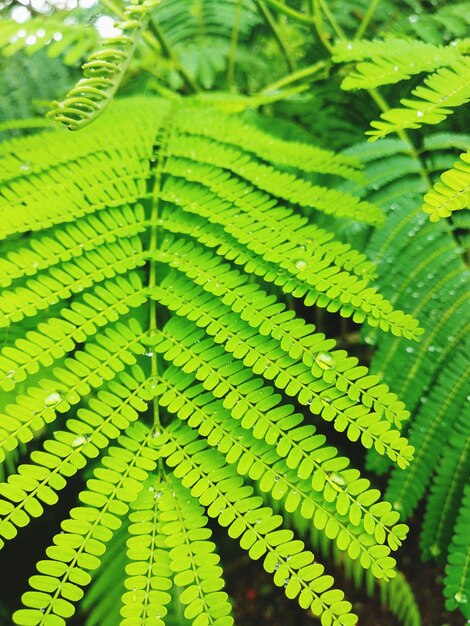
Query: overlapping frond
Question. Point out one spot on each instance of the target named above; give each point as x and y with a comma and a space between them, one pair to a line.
446, 87
228, 499
452, 192
104, 70
390, 61
443, 91
76, 550
457, 580
432, 378
397, 596
147, 293
71, 41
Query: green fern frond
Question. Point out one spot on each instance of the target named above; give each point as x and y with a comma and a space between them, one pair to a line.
446, 491
189, 20
102, 601
430, 273
258, 448
192, 557
396, 596
24, 81
457, 580
444, 90
248, 138
72, 41
391, 61
36, 483
76, 550
429, 432
452, 192
53, 339
226, 497
318, 396
439, 141
148, 572
159, 275
104, 70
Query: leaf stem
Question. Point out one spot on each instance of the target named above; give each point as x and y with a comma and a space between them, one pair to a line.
233, 45
169, 53
304, 73
290, 12
384, 107
271, 22
332, 19
319, 26
367, 18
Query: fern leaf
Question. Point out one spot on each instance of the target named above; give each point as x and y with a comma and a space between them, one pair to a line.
55, 338
104, 71
63, 281
279, 184
429, 432
391, 60
76, 550
358, 421
259, 460
452, 192
252, 140
396, 596
457, 580
102, 601
226, 498
192, 557
156, 256
292, 336
68, 451
446, 491
71, 242
149, 575
250, 229
444, 90
349, 293
71, 41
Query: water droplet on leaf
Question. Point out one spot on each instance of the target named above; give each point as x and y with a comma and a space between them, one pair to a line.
325, 360
52, 399
79, 441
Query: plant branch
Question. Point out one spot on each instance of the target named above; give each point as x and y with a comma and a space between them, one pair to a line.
319, 26
271, 23
367, 18
384, 107
332, 20
169, 53
290, 12
302, 74
234, 44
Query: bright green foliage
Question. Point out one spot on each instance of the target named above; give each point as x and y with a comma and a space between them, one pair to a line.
395, 596
76, 550
457, 583
431, 377
226, 497
444, 90
214, 207
24, 81
199, 35
160, 271
104, 70
452, 192
393, 60
74, 42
